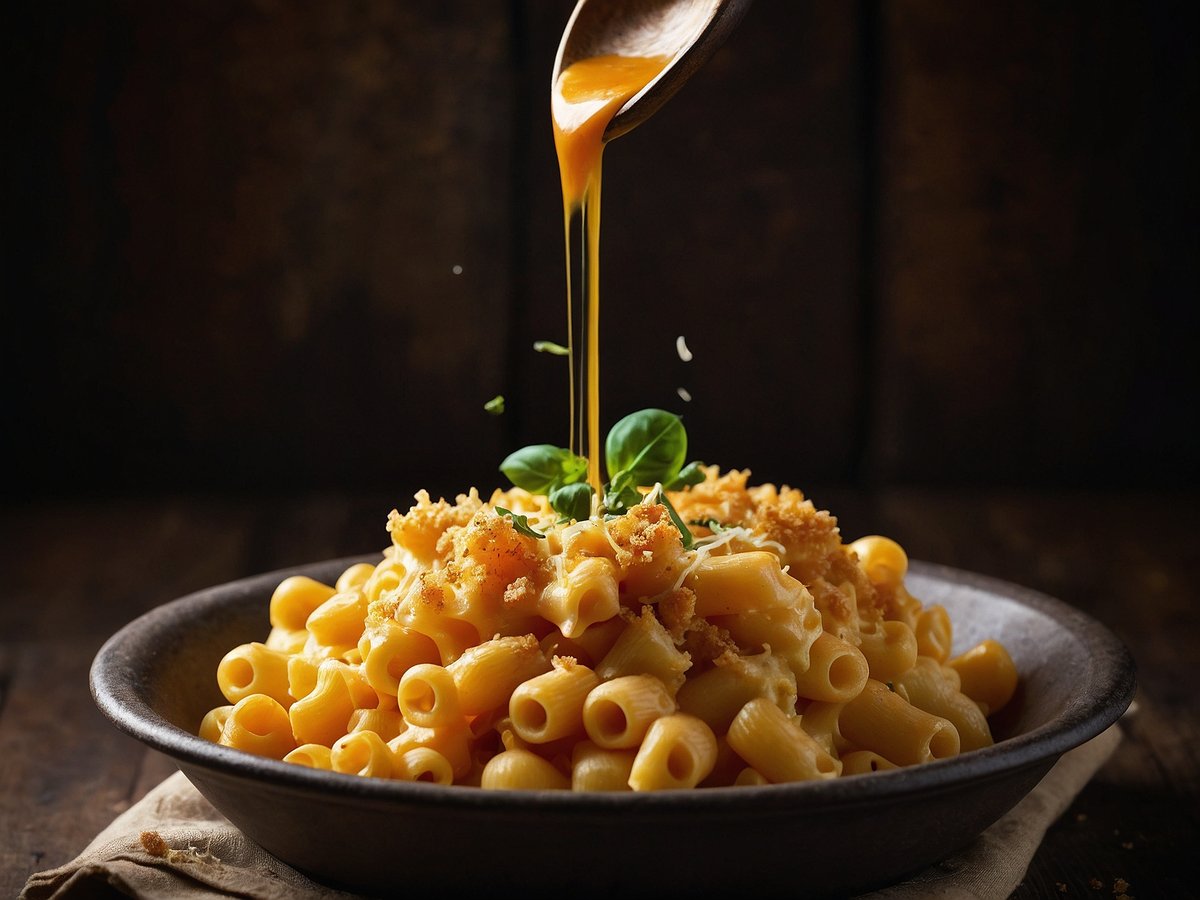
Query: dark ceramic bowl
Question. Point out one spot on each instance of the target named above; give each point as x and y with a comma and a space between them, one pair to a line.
156, 678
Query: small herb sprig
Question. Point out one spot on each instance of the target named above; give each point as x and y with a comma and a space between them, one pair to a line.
520, 522
644, 448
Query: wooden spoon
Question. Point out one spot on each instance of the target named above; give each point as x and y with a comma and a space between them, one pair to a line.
688, 31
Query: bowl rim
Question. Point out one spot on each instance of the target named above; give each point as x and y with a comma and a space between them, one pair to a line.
1104, 696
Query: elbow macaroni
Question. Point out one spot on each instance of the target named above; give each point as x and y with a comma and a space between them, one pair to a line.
605, 656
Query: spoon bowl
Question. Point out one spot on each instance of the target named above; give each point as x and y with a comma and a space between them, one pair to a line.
687, 31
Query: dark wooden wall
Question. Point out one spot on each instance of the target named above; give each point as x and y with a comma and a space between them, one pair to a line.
906, 241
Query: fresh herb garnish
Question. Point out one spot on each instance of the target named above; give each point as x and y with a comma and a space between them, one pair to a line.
716, 526
692, 473
572, 501
647, 447
550, 347
521, 523
684, 532
496, 405
556, 472
539, 468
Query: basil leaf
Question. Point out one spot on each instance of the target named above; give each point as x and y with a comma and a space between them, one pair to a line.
688, 475
650, 445
574, 468
496, 405
538, 467
550, 347
573, 501
621, 499
684, 533
521, 523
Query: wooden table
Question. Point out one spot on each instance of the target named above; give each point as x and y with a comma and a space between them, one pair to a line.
74, 572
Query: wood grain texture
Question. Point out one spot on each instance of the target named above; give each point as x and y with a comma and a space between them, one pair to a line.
246, 223
906, 242
1032, 270
75, 573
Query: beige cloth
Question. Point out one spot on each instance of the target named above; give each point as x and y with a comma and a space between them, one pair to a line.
201, 855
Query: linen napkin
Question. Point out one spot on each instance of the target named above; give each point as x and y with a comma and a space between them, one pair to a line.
173, 845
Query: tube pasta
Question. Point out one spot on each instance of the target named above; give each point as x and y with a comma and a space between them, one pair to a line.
861, 762
452, 741
362, 753
879, 719
213, 723
428, 696
927, 687
884, 561
606, 656
820, 721
354, 577
387, 723
486, 675
522, 770
934, 633
987, 675
315, 756
646, 648
423, 764
391, 651
550, 706
679, 752
789, 631
617, 713
750, 777
586, 595
339, 620
739, 582
323, 715
594, 768
258, 724
716, 696
295, 600
776, 747
285, 641
890, 649
836, 671
254, 669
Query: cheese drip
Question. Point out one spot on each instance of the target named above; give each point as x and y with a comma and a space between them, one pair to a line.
585, 98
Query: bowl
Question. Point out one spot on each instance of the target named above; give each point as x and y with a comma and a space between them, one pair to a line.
155, 679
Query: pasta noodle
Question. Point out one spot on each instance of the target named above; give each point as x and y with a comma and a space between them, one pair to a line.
607, 655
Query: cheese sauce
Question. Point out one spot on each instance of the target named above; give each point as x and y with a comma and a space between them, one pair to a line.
586, 96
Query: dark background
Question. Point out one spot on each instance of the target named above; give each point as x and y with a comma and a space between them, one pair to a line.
936, 262
908, 243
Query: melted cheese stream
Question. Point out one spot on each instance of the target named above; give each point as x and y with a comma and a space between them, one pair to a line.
584, 100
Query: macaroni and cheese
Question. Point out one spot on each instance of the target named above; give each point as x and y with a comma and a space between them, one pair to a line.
605, 655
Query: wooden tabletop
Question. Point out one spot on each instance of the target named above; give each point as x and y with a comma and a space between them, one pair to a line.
74, 572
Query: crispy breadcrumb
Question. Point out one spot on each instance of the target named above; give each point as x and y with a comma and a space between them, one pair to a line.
677, 609
419, 530
153, 843
705, 642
